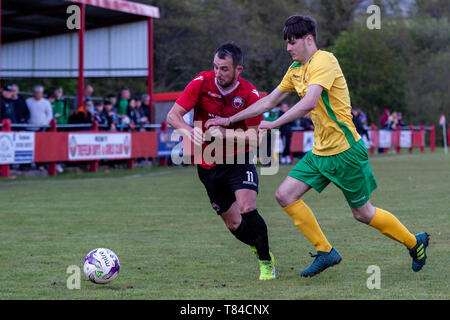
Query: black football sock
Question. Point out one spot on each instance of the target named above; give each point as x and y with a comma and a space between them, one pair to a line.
243, 234
258, 230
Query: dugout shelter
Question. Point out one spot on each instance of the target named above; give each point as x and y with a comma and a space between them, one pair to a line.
113, 38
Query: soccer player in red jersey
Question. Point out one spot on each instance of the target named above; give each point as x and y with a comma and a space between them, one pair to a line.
231, 187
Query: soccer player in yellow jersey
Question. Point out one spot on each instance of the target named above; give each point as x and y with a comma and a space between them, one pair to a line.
339, 154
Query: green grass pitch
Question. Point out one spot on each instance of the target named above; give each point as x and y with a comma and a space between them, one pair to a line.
171, 244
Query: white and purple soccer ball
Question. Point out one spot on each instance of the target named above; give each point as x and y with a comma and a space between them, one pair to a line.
101, 265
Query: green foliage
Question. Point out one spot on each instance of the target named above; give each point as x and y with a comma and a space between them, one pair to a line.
374, 75
428, 86
333, 17
402, 67
433, 8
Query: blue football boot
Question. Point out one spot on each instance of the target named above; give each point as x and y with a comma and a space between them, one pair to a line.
419, 252
323, 260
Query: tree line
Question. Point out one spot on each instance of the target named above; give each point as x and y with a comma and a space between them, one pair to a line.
403, 66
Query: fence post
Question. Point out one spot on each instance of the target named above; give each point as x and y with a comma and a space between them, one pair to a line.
448, 131
52, 165
93, 165
398, 134
163, 161
422, 135
432, 138
411, 128
130, 163
4, 168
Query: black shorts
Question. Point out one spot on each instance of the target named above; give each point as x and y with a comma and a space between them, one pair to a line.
222, 180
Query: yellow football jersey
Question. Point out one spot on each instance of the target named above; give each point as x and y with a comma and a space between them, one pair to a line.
334, 131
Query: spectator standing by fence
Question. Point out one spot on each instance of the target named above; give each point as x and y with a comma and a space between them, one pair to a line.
146, 110
111, 98
360, 128
81, 116
384, 119
61, 110
40, 108
7, 105
111, 115
132, 111
89, 105
100, 115
122, 105
20, 106
88, 92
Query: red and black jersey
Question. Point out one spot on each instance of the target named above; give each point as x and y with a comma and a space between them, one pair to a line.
208, 100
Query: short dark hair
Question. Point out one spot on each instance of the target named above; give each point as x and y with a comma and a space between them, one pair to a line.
297, 26
231, 49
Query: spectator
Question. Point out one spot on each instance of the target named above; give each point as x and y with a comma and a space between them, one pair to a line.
20, 106
61, 110
138, 103
384, 119
394, 121
306, 123
7, 105
100, 115
360, 127
89, 105
145, 108
122, 105
88, 91
81, 116
113, 99
362, 117
111, 115
286, 135
391, 124
357, 121
40, 108
132, 111
51, 98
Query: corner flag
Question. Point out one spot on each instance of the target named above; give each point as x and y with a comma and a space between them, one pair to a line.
442, 123
442, 120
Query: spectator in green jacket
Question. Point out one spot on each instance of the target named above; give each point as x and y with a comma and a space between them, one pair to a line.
61, 110
122, 102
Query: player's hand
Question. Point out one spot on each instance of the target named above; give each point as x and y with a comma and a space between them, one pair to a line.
197, 136
217, 132
217, 121
266, 125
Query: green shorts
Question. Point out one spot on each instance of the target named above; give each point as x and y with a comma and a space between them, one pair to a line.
349, 170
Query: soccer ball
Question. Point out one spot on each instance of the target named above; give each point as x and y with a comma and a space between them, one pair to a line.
101, 265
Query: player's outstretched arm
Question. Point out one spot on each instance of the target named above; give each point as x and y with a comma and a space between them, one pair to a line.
259, 107
305, 105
